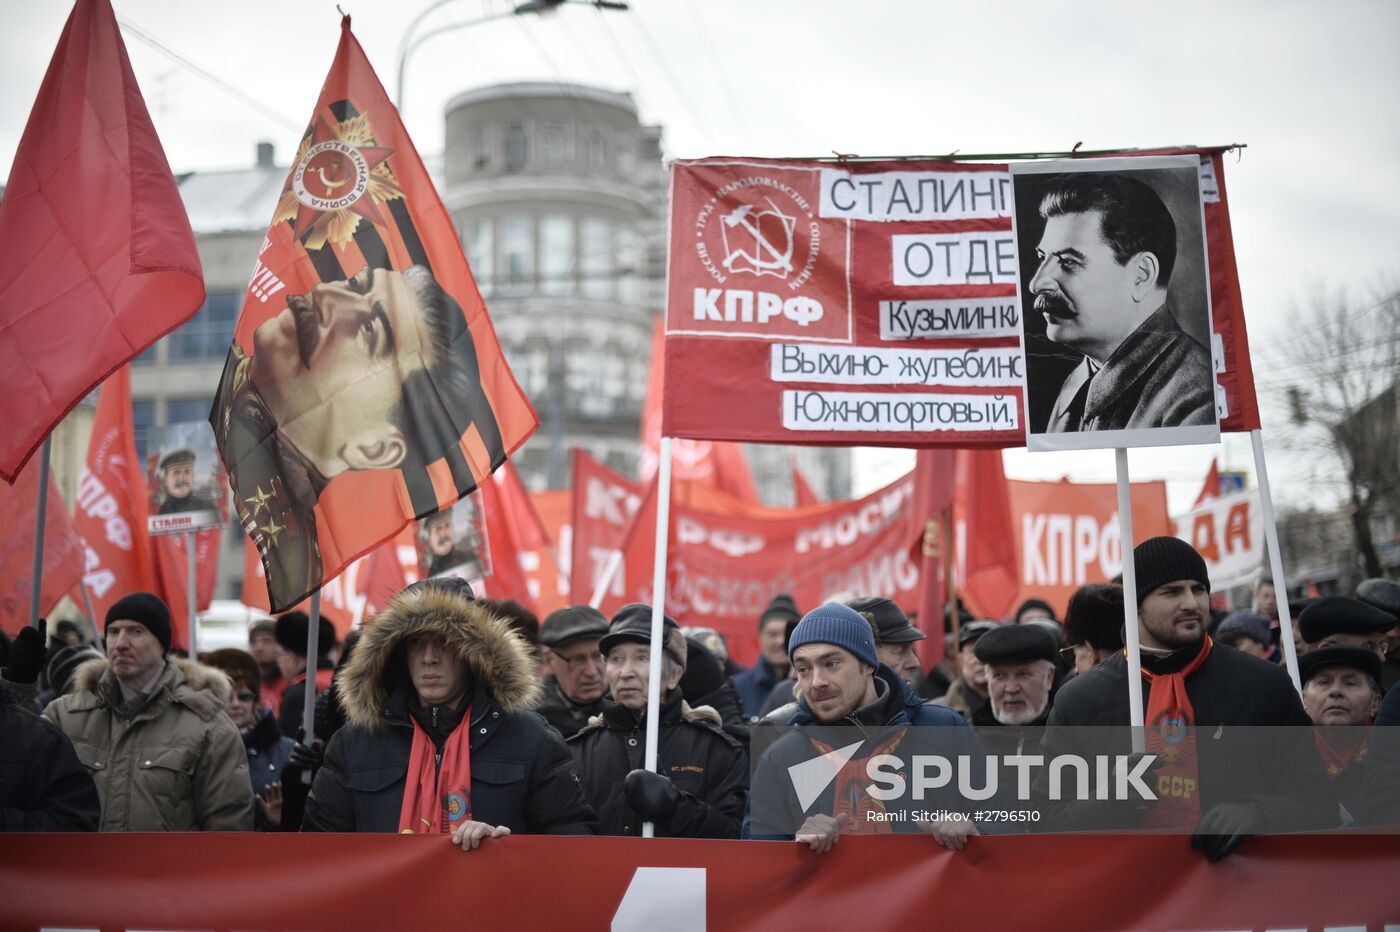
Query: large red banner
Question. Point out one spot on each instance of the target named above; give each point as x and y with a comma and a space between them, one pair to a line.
724, 566
872, 303
63, 558
251, 881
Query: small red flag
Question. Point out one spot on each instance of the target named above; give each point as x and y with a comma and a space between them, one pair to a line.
988, 564
109, 510
97, 260
803, 496
63, 550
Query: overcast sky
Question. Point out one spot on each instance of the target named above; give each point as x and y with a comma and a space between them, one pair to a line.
1309, 86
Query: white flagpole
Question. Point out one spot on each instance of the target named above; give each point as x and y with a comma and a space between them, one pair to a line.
658, 613
41, 516
190, 578
1285, 616
1130, 620
605, 579
308, 706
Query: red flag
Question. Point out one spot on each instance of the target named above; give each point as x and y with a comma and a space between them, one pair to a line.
508, 519
63, 549
1210, 488
384, 573
172, 581
700, 462
365, 386
803, 496
97, 260
109, 511
986, 541
933, 495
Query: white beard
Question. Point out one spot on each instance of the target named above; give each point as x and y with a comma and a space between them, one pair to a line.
1023, 717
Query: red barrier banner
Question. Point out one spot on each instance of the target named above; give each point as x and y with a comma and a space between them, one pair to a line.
872, 303
250, 881
1067, 533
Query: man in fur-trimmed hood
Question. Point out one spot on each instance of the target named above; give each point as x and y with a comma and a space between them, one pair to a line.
440, 736
152, 731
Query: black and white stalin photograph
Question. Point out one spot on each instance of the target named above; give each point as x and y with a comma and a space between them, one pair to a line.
1115, 303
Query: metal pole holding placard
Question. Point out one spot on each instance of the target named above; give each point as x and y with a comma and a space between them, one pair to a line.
950, 564
192, 585
1130, 602
313, 651
658, 613
1285, 615
41, 515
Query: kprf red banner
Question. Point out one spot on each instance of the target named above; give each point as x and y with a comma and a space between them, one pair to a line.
1066, 533
64, 554
871, 303
109, 510
707, 463
604, 502
1151, 883
97, 260
365, 386
724, 568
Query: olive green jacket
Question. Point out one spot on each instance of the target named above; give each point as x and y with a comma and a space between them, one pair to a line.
176, 765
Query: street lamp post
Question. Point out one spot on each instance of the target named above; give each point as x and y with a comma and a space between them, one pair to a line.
408, 44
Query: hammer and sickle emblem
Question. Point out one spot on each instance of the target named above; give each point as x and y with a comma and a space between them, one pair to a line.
332, 183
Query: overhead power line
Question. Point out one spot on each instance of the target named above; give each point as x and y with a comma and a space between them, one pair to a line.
209, 77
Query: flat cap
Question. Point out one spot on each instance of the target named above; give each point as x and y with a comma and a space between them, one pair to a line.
572, 623
1249, 624
973, 630
1383, 594
891, 624
632, 623
1338, 614
782, 606
1016, 644
1367, 661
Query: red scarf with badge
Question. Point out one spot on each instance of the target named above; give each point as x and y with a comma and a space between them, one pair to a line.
1171, 736
436, 799
1339, 760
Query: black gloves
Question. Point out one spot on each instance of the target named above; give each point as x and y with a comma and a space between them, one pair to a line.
307, 757
651, 795
27, 654
1223, 828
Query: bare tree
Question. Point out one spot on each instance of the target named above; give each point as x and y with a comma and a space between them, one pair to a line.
1340, 376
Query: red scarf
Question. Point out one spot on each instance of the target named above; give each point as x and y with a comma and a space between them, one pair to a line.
438, 799
1337, 761
865, 814
1171, 736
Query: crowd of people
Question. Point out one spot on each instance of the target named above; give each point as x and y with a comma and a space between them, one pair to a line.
451, 714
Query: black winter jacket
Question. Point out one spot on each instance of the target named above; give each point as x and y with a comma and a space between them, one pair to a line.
1277, 769
43, 785
522, 775
567, 717
708, 766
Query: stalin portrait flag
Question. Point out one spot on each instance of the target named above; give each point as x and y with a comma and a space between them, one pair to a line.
365, 386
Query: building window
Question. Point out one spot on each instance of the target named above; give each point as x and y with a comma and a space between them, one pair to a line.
143, 418
597, 149
517, 148
556, 143
148, 357
629, 266
557, 255
517, 253
481, 147
479, 248
596, 259
183, 410
207, 335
